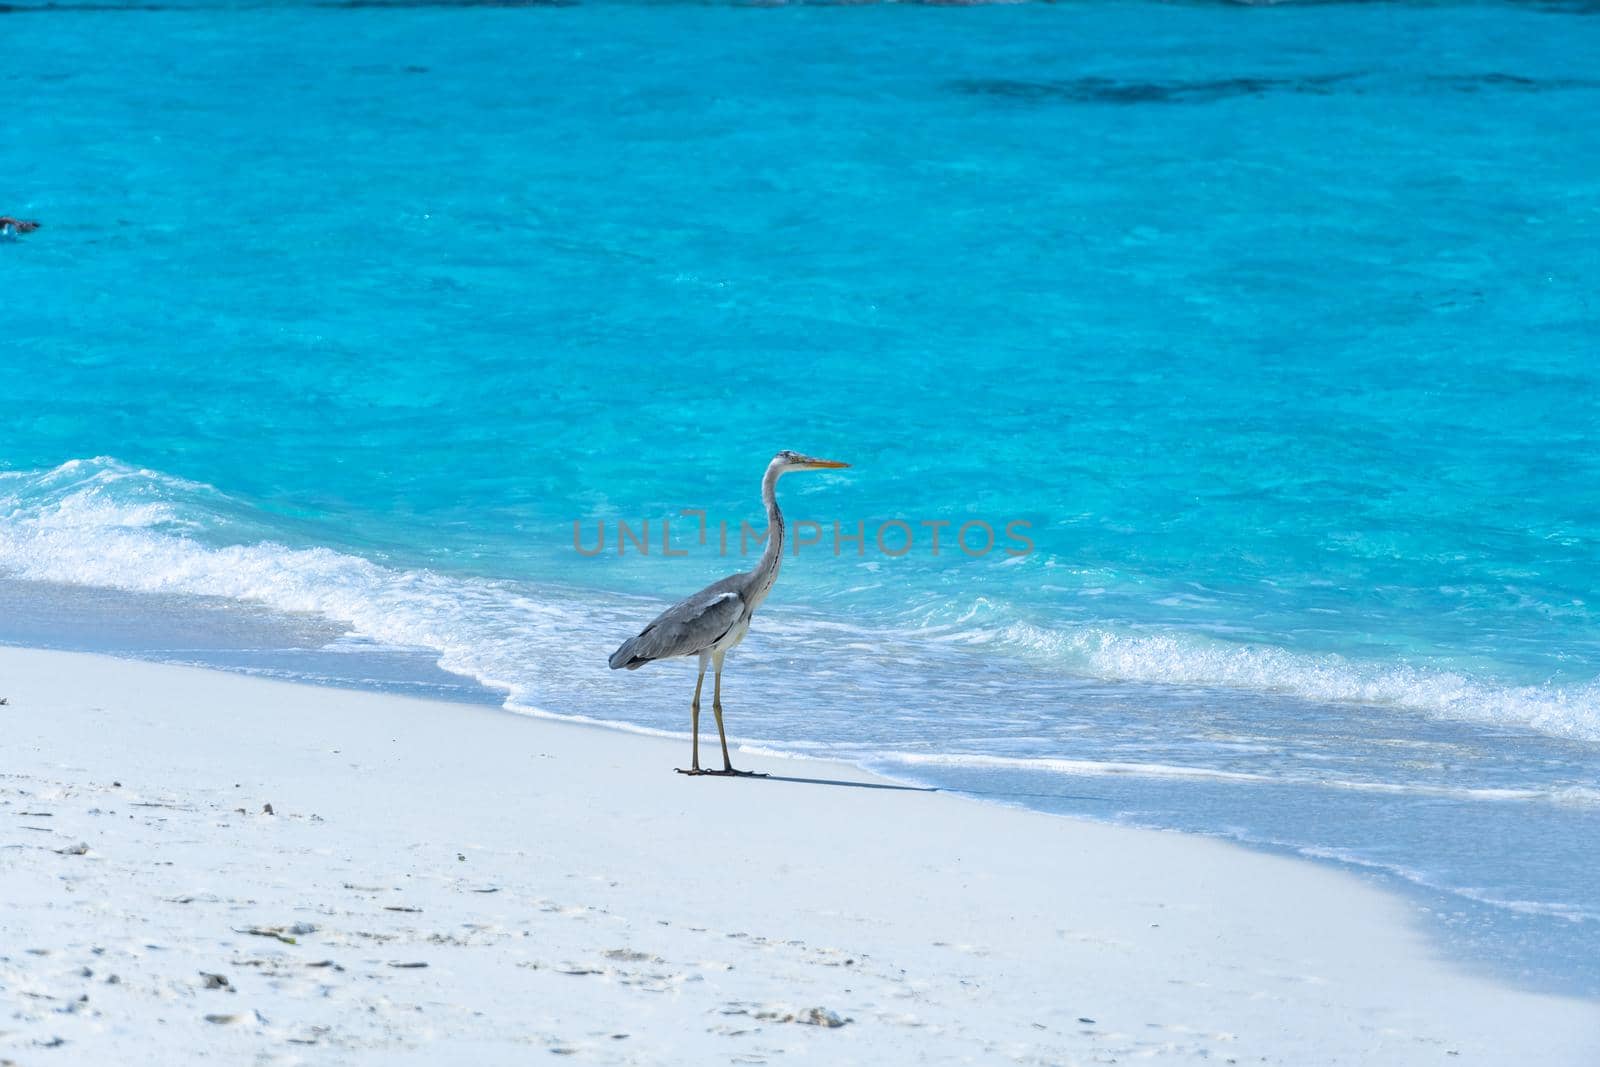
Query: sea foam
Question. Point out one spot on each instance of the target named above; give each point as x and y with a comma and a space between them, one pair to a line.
1192, 660
100, 522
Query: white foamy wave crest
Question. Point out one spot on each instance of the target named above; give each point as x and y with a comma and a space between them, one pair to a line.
105, 524
1168, 659
92, 493
1563, 796
102, 523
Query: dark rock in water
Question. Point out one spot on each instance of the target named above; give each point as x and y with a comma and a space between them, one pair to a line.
1098, 90
1103, 90
1515, 83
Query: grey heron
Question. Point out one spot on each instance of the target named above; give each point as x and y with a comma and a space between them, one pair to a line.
711, 622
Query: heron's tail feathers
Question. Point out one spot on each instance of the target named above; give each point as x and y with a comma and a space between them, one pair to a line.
624, 657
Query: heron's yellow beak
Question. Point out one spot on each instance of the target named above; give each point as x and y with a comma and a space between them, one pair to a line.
824, 464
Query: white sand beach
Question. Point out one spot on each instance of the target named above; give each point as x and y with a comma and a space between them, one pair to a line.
443, 884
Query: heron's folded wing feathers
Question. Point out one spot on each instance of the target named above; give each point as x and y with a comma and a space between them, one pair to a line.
688, 627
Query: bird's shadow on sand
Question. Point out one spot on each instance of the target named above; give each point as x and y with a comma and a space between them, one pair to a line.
1003, 794
851, 785
1006, 794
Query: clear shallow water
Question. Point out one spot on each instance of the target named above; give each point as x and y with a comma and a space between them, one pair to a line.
1276, 325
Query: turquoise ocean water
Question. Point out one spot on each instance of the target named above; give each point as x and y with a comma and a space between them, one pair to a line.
1278, 326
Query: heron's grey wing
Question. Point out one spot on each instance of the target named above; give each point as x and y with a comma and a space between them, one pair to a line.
687, 627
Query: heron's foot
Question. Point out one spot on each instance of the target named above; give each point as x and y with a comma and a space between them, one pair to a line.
727, 772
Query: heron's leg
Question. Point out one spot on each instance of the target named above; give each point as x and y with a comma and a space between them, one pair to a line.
716, 709
694, 716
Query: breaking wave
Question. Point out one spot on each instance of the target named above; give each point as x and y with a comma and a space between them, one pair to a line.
99, 522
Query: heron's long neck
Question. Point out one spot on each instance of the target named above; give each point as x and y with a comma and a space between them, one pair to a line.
772, 555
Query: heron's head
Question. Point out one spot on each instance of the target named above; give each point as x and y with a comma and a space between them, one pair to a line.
787, 461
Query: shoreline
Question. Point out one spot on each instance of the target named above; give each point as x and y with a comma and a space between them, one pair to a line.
571, 887
1525, 943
